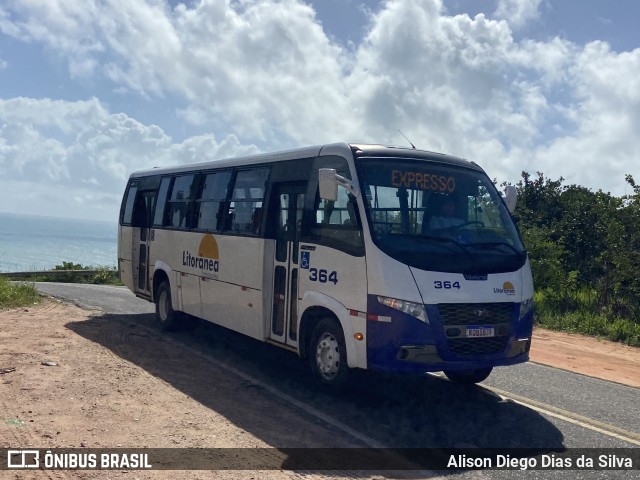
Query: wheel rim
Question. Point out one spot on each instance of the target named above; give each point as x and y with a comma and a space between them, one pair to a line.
163, 306
328, 355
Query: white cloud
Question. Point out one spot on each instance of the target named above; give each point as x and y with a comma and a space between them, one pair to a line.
267, 67
518, 12
62, 26
604, 145
464, 86
80, 150
455, 84
268, 72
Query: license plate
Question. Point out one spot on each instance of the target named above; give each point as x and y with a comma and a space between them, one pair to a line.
480, 332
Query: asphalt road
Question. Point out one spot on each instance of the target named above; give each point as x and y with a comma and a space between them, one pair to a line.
528, 406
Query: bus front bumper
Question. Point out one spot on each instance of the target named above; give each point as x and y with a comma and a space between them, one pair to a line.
423, 358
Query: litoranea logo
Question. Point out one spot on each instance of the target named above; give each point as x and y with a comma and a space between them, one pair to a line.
507, 289
207, 258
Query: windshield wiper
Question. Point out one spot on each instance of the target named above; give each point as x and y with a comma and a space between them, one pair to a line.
495, 244
462, 246
418, 238
441, 239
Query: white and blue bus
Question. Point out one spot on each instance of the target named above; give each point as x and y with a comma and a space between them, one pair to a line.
352, 256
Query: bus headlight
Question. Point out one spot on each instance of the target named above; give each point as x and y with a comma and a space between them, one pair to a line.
414, 309
526, 307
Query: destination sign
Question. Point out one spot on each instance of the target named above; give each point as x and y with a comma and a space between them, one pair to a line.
422, 181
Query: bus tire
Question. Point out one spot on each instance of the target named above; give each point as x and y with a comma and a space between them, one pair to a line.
468, 377
328, 353
169, 319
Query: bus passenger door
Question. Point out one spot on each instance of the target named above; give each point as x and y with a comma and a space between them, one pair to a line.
142, 237
288, 218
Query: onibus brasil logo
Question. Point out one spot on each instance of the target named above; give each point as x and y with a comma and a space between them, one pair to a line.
207, 258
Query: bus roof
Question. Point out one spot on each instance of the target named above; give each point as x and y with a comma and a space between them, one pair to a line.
380, 151
361, 151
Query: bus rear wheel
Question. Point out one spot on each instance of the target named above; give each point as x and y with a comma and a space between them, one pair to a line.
169, 319
468, 377
328, 353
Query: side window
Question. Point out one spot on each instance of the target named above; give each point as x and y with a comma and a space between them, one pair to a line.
179, 202
161, 204
214, 193
142, 209
483, 208
334, 223
384, 207
245, 209
337, 223
129, 203
340, 212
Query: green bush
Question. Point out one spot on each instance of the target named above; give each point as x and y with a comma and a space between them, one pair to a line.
584, 249
584, 318
105, 275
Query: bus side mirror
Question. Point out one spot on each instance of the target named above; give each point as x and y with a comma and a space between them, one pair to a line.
328, 184
510, 197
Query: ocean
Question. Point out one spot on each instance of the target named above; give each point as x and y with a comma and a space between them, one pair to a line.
30, 243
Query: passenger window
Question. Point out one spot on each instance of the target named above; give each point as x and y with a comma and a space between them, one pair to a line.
158, 218
214, 193
179, 202
128, 207
245, 209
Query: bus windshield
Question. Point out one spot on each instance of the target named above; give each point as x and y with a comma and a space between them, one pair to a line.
439, 217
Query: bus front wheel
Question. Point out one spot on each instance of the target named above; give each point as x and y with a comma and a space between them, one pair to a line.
468, 377
327, 353
165, 313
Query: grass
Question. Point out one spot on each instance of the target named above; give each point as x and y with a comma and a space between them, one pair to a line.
14, 295
583, 317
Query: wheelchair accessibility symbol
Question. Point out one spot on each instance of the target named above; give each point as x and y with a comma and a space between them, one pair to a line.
304, 259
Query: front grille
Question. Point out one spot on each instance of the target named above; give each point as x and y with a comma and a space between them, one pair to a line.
475, 313
461, 314
477, 346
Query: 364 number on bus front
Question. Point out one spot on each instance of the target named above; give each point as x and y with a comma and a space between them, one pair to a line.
323, 276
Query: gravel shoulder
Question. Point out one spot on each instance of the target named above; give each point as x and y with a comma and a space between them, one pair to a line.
586, 355
91, 396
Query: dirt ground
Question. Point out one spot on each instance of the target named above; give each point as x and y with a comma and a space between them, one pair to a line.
588, 356
93, 397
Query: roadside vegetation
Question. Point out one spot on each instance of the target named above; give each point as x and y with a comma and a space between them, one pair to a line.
584, 248
13, 295
20, 294
65, 274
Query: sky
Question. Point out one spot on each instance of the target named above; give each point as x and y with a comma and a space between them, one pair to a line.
91, 90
